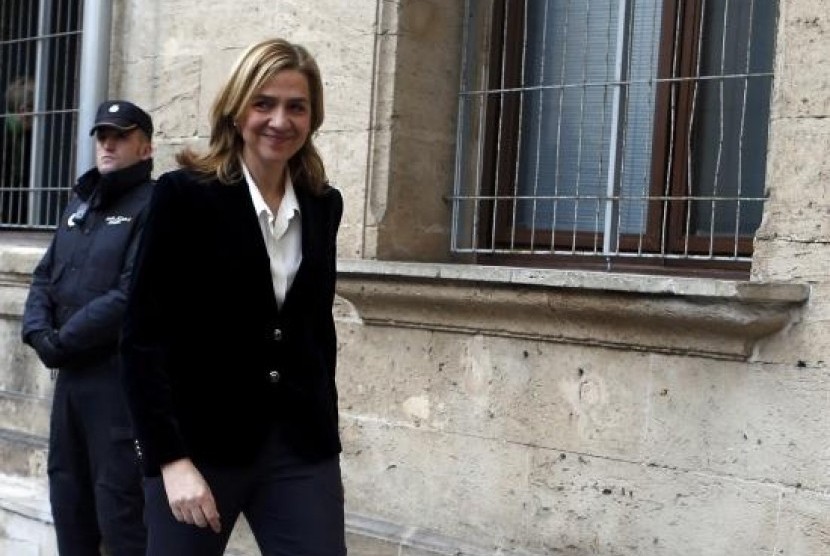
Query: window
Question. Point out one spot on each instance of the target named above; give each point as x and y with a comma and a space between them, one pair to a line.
614, 134
39, 60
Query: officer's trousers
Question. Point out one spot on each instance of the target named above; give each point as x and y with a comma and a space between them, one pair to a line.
94, 477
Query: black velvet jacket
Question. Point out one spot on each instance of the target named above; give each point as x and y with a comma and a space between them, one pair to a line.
210, 362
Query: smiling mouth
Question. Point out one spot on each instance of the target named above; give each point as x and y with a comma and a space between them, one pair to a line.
278, 137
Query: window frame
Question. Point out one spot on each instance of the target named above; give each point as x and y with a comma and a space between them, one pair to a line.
55, 45
667, 221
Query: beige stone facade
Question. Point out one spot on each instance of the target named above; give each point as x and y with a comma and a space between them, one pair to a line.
504, 410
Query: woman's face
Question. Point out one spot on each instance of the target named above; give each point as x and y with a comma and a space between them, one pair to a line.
277, 122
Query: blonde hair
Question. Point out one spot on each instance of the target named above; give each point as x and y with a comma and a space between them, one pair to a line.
259, 63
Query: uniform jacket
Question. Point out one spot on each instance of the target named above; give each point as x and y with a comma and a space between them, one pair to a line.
80, 285
210, 362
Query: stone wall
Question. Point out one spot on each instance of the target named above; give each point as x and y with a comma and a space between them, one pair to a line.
500, 411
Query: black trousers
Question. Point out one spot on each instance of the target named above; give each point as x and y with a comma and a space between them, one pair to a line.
294, 508
94, 477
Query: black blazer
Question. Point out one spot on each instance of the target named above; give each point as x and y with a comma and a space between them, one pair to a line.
210, 362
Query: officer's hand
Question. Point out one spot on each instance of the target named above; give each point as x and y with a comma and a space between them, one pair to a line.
47, 346
189, 495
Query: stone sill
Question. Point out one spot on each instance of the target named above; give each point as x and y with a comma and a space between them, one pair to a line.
722, 319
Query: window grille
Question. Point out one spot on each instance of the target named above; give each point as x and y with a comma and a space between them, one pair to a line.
39, 63
613, 132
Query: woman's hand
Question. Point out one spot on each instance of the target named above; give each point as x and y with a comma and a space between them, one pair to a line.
189, 495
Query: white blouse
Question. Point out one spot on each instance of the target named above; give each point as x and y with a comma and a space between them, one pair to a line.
282, 233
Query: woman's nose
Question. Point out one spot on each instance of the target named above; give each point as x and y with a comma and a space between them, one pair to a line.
278, 118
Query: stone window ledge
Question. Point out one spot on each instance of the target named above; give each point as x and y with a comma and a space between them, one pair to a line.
721, 319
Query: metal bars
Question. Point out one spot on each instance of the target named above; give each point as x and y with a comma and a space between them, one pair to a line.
39, 55
613, 128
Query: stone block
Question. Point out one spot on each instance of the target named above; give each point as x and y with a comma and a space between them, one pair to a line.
25, 414
360, 545
25, 519
131, 19
129, 80
802, 71
344, 154
478, 493
216, 66
21, 372
806, 338
185, 27
18, 260
18, 547
805, 344
803, 527
347, 88
331, 23
176, 88
22, 455
786, 260
584, 505
798, 182
539, 500
12, 301
631, 406
757, 422
415, 219
165, 151
417, 100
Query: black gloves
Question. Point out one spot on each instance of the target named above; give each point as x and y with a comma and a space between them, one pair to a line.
48, 348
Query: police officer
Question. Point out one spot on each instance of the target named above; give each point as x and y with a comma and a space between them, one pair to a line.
72, 319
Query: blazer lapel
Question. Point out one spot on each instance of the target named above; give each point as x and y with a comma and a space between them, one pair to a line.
247, 237
310, 222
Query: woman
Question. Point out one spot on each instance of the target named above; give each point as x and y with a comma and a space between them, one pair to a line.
229, 343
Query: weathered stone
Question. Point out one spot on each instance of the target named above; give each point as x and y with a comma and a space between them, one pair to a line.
803, 525
724, 418
802, 72
593, 505
790, 260
798, 182
344, 153
390, 474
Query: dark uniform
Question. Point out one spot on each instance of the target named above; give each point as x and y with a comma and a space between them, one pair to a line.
73, 318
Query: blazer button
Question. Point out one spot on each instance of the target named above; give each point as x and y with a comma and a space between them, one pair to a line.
273, 376
277, 334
